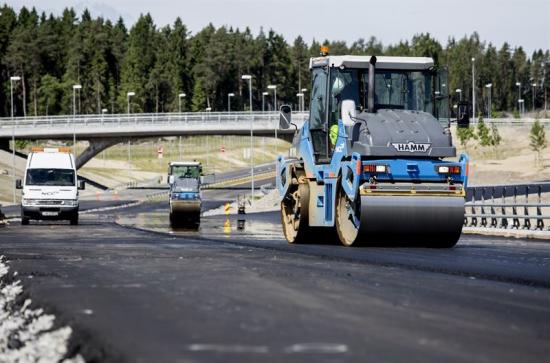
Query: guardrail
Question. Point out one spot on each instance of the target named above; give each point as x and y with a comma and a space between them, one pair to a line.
488, 212
510, 121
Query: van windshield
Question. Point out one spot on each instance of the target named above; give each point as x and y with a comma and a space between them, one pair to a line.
51, 177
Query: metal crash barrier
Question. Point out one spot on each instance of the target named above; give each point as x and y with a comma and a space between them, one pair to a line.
493, 210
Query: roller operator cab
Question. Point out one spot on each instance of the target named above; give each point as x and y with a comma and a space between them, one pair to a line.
50, 186
185, 193
371, 162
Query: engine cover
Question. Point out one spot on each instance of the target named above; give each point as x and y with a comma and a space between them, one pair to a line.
400, 133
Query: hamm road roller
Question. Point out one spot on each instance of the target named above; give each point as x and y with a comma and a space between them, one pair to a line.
184, 178
374, 163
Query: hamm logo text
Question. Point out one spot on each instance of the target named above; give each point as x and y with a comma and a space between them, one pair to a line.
411, 147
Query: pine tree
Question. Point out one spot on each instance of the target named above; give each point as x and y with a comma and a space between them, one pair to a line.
198, 102
138, 62
50, 92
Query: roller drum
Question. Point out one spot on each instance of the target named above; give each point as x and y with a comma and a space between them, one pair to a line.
433, 220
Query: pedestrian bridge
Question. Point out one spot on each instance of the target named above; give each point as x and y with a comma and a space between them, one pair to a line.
103, 131
145, 125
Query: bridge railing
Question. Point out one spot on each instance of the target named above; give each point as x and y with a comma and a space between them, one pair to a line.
112, 120
266, 119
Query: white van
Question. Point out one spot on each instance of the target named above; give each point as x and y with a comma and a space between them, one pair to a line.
50, 187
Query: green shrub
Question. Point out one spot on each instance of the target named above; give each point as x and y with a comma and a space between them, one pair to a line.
495, 136
537, 140
483, 133
464, 135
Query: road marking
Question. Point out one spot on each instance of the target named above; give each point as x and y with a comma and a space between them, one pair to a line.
225, 348
317, 348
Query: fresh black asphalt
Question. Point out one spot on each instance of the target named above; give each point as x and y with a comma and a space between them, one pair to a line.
141, 296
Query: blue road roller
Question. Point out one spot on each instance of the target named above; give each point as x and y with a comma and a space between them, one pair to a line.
374, 163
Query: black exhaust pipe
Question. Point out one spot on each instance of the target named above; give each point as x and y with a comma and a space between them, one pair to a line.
370, 99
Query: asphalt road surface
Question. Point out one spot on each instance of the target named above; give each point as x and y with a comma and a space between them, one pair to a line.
134, 290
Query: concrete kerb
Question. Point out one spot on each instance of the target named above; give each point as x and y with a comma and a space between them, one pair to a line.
540, 236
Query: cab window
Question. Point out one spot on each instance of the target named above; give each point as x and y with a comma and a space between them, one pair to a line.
318, 98
184, 171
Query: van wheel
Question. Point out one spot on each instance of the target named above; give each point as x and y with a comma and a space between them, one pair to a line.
74, 220
25, 221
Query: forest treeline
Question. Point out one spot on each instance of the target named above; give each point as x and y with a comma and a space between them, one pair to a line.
52, 53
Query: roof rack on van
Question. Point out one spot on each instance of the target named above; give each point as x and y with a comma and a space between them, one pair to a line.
40, 149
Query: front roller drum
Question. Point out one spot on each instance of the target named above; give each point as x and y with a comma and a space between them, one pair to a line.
434, 221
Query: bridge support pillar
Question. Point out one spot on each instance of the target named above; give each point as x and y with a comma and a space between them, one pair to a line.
5, 145
96, 146
287, 137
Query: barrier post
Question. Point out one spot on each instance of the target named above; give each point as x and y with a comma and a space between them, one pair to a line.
504, 221
540, 221
515, 210
494, 222
526, 221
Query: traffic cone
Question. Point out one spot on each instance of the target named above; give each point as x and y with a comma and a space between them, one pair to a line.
227, 226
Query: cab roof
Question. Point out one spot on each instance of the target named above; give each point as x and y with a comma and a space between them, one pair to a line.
185, 163
383, 62
50, 160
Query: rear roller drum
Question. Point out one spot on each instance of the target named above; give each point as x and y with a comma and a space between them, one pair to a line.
294, 214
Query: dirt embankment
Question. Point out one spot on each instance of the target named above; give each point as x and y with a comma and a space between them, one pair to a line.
513, 161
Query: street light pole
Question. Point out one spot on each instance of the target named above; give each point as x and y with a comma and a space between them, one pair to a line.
180, 96
473, 88
519, 94
229, 95
489, 110
274, 88
304, 90
459, 91
534, 91
263, 100
248, 77
521, 103
300, 101
12, 79
75, 87
128, 95
543, 85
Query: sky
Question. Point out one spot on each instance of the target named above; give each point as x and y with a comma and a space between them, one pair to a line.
523, 23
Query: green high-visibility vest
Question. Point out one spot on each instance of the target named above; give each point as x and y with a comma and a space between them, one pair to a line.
333, 134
